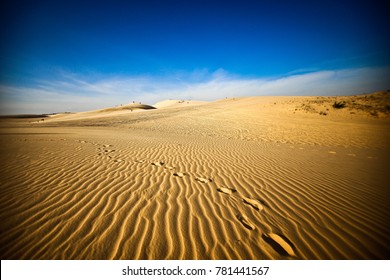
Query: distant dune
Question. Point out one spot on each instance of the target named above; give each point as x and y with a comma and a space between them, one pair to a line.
177, 103
127, 107
102, 113
237, 178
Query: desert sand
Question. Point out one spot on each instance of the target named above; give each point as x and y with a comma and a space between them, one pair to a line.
238, 178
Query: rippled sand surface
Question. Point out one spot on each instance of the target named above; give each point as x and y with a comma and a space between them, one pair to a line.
248, 178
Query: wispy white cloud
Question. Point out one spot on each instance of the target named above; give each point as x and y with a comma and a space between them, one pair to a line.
72, 92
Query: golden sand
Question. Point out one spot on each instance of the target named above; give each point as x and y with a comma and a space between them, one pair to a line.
242, 178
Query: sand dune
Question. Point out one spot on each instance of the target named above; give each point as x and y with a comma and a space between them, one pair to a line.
171, 103
242, 178
101, 113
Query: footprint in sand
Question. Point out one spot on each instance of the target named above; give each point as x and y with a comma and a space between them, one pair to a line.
169, 167
280, 244
245, 221
254, 203
203, 180
180, 174
158, 163
226, 190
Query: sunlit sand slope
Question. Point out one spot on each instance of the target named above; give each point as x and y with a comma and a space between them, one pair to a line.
251, 178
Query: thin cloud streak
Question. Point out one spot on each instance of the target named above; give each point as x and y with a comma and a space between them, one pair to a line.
77, 93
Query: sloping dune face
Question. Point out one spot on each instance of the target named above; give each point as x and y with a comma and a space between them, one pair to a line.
177, 103
251, 178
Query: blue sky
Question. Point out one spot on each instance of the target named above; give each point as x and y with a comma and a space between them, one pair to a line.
82, 55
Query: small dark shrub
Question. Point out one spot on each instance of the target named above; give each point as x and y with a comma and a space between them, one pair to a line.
374, 114
339, 104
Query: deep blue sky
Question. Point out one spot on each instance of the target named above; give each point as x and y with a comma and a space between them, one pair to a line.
41, 39
156, 37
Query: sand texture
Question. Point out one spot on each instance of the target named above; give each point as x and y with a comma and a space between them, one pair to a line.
238, 178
